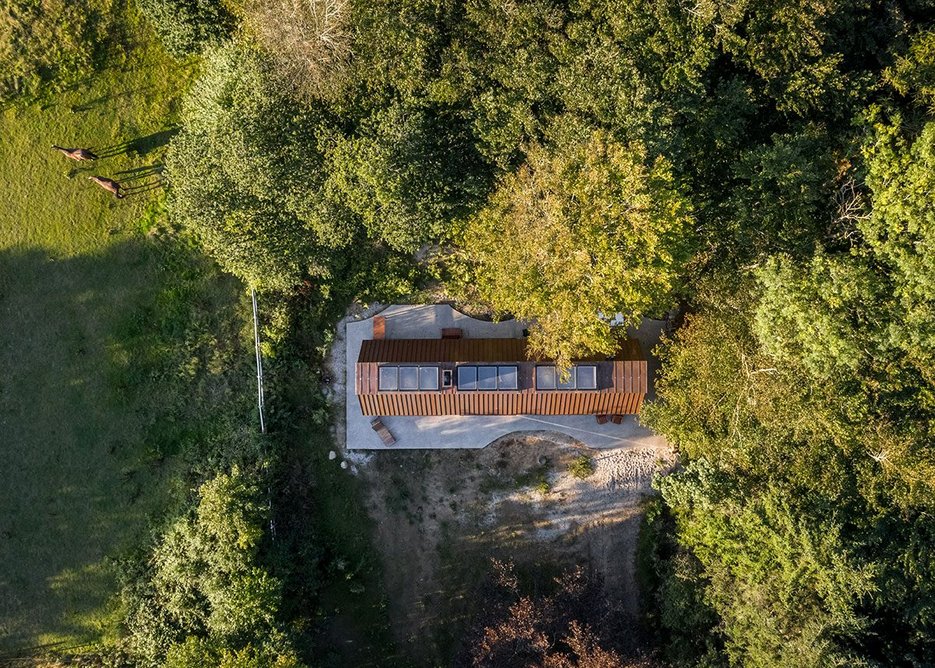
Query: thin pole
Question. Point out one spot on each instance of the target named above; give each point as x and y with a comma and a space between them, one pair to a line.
259, 361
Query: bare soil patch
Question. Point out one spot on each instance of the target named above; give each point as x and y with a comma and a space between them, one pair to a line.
441, 515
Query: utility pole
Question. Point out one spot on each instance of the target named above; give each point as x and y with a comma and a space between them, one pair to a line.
259, 361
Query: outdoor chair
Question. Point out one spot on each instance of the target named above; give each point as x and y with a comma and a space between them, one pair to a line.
385, 434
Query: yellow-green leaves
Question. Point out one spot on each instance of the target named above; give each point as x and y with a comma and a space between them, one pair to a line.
586, 228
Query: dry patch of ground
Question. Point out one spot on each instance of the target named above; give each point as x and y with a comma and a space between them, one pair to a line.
442, 514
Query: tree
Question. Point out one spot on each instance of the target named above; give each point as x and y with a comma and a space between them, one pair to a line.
409, 175
900, 232
310, 40
189, 26
563, 629
787, 593
588, 227
913, 74
206, 595
246, 175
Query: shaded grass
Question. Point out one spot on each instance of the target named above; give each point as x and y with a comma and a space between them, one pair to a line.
334, 592
119, 352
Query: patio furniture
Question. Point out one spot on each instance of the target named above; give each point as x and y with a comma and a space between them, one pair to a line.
452, 333
616, 419
385, 434
601, 419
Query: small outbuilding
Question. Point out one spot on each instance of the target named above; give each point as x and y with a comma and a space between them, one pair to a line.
492, 376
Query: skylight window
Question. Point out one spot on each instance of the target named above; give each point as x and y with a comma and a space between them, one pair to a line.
487, 378
507, 377
389, 378
407, 378
467, 378
583, 377
428, 377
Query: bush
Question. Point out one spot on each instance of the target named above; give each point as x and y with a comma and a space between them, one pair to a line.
581, 467
188, 26
246, 176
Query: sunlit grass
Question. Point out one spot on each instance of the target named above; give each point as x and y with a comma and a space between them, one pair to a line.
95, 320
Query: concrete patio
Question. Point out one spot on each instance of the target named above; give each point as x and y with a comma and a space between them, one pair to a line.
427, 321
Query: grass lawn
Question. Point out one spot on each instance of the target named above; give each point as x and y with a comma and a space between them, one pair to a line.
115, 341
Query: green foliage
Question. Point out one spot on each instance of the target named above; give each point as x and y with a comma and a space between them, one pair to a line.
900, 233
785, 590
198, 652
672, 586
581, 467
914, 72
46, 45
408, 175
189, 26
587, 227
803, 458
204, 593
246, 176
826, 317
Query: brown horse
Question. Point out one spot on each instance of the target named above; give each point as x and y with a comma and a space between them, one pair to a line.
109, 185
78, 154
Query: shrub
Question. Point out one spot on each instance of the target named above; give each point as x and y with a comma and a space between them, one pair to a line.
581, 467
188, 26
246, 176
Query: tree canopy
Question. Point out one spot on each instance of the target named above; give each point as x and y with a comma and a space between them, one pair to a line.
586, 228
761, 170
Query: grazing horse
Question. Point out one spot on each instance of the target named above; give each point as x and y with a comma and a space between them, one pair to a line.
78, 154
109, 185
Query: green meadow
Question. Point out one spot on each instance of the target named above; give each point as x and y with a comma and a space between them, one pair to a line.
120, 350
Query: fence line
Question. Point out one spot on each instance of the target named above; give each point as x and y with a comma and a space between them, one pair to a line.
259, 362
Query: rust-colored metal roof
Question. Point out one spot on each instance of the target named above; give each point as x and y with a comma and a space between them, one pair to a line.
435, 351
621, 382
416, 351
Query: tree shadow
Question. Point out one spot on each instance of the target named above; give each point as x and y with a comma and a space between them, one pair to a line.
137, 173
110, 97
68, 441
140, 145
94, 408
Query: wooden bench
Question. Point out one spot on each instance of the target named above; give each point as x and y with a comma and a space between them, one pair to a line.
452, 333
385, 434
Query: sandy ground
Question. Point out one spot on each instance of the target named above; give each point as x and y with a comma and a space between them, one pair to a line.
441, 515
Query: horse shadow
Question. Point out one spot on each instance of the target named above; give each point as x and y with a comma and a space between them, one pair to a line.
141, 188
137, 173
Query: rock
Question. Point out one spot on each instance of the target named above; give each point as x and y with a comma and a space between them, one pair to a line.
344, 465
354, 470
332, 455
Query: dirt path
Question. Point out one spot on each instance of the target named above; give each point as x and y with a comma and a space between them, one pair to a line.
441, 515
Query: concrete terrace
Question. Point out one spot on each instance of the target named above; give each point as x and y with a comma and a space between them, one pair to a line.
427, 321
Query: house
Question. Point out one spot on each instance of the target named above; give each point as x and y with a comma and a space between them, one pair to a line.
450, 375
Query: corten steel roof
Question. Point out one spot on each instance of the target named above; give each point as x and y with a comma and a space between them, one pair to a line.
415, 351
621, 381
